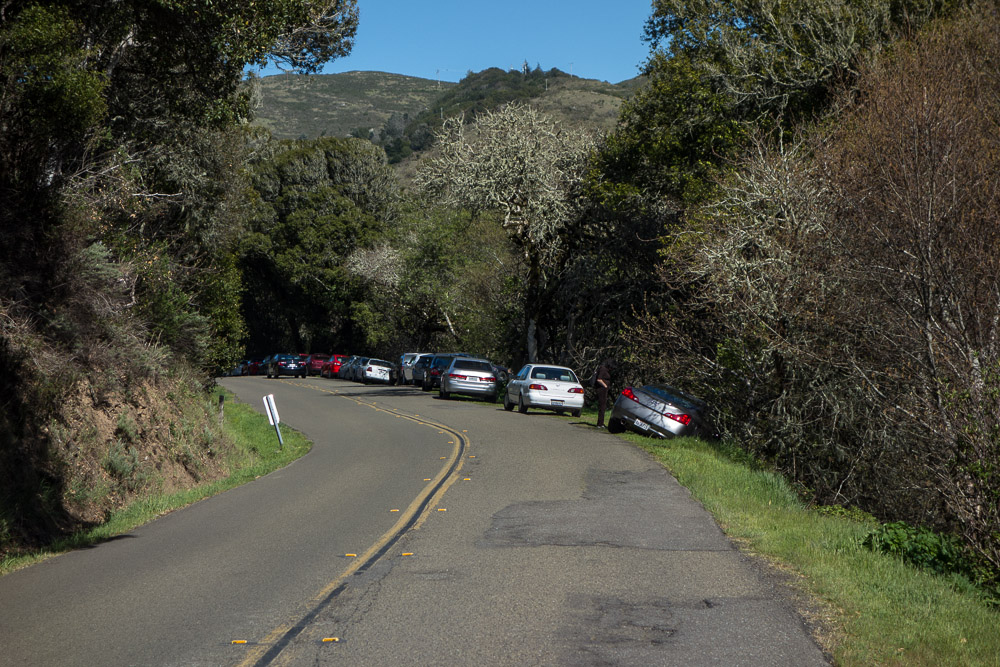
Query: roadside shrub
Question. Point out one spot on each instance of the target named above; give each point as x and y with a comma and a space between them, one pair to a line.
923, 548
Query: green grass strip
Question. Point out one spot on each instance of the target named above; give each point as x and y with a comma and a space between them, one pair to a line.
877, 609
255, 453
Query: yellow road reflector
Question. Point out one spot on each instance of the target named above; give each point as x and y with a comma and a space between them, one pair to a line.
239, 641
467, 479
441, 509
407, 553
427, 479
393, 510
472, 456
443, 458
464, 431
350, 555
331, 639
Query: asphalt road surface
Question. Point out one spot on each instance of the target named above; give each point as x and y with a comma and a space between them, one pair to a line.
417, 531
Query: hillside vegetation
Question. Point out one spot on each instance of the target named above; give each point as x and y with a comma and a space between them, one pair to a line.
401, 113
294, 106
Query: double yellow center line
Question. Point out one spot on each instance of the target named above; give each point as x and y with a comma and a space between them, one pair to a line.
264, 652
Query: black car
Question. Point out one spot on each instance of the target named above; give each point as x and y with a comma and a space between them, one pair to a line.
662, 411
419, 369
285, 364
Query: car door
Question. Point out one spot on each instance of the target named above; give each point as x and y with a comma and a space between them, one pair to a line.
514, 386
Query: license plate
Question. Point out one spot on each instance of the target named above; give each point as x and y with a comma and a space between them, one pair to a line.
556, 401
641, 424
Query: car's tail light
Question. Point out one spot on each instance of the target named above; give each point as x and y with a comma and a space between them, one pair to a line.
538, 387
435, 371
490, 379
368, 370
682, 418
456, 376
628, 393
576, 390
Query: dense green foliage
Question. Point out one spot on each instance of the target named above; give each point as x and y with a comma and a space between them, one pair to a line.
122, 152
316, 202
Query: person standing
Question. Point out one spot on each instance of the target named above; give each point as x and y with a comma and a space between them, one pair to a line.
603, 384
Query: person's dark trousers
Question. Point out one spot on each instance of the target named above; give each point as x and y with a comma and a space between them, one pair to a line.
602, 404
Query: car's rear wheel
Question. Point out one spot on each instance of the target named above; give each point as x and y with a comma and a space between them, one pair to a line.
575, 413
444, 394
615, 426
425, 386
507, 405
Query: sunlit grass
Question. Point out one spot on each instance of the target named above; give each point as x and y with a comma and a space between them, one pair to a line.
876, 609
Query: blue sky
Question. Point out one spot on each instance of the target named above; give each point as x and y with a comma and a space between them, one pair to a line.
446, 39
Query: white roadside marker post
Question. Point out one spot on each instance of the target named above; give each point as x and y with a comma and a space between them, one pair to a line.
272, 417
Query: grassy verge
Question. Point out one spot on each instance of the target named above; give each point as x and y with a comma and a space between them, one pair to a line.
875, 608
255, 452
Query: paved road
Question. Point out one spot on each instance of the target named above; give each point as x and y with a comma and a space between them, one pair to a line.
536, 541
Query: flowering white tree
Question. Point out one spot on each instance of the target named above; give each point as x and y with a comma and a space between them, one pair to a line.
519, 162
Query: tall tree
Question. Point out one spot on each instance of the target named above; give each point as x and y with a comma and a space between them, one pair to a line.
517, 162
317, 202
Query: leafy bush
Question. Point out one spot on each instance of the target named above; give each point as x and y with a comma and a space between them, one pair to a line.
923, 548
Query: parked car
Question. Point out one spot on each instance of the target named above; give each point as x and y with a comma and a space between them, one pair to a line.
419, 368
285, 364
544, 386
357, 368
331, 367
255, 365
470, 377
406, 361
314, 363
432, 375
376, 370
661, 410
345, 366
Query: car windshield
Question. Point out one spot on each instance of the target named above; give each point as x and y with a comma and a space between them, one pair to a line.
472, 365
669, 394
554, 374
379, 362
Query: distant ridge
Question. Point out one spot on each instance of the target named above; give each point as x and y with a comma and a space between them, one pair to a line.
295, 106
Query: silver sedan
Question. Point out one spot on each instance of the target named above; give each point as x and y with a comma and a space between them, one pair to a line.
547, 387
662, 411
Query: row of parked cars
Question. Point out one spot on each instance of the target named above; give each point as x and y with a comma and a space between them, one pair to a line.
654, 409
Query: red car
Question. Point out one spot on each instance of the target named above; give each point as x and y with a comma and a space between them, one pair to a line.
255, 366
314, 363
331, 367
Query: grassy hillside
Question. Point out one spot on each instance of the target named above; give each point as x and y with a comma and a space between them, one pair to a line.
338, 104
295, 106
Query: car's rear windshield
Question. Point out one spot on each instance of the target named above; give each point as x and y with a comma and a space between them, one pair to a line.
675, 396
554, 374
379, 362
472, 365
